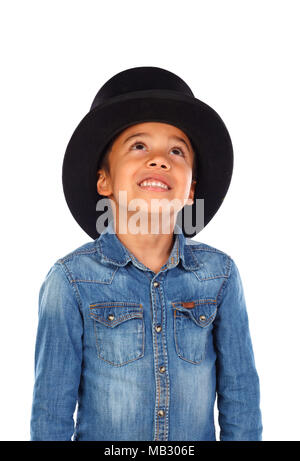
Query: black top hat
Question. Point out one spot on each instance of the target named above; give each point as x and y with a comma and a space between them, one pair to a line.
144, 94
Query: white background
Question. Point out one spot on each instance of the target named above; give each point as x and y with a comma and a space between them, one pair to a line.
240, 57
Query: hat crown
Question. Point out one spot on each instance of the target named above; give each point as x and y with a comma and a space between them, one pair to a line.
140, 79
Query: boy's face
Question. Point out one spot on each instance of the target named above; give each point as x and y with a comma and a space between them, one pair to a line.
146, 149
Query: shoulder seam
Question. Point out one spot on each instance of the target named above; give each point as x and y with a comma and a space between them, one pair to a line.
229, 264
76, 252
72, 284
209, 249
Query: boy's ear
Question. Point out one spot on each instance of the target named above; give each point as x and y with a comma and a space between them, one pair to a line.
103, 183
190, 200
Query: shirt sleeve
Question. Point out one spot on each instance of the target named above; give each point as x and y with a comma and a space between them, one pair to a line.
58, 356
238, 392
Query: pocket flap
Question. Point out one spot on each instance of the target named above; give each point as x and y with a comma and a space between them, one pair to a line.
201, 311
113, 313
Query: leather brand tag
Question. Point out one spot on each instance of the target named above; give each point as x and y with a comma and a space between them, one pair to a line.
188, 305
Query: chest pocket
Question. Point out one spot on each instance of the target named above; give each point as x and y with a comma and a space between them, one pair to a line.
119, 331
193, 323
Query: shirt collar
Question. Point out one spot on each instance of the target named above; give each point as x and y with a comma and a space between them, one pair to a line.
113, 251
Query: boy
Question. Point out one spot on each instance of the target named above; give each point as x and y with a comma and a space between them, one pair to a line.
144, 326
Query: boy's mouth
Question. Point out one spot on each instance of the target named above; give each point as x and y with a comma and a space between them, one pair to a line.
154, 184
145, 185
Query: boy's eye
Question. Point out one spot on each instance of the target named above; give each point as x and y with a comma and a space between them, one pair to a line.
138, 144
176, 149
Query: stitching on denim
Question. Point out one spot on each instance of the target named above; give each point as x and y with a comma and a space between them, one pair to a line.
96, 336
128, 361
118, 320
90, 281
226, 280
137, 262
70, 256
170, 261
154, 299
196, 301
196, 263
177, 346
213, 250
229, 262
202, 323
67, 273
156, 364
114, 261
123, 363
164, 322
98, 281
210, 278
156, 378
157, 383
222, 287
144, 273
103, 304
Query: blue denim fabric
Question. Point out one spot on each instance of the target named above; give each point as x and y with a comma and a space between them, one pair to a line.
145, 355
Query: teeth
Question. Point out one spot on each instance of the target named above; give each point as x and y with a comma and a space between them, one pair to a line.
154, 183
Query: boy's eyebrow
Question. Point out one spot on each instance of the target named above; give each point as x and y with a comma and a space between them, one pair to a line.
147, 134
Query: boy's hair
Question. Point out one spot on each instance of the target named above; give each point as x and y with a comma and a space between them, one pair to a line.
104, 162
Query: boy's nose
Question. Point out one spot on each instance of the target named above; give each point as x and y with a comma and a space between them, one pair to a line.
159, 163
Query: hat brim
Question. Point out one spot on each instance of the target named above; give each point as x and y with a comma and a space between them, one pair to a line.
204, 127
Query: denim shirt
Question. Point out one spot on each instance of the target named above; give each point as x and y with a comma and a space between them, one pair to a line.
144, 354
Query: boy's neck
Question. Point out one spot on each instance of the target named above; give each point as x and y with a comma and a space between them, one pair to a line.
152, 250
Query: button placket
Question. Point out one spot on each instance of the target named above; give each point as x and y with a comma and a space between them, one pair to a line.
162, 379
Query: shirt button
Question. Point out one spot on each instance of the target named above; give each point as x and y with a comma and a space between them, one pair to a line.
111, 317
155, 284
158, 328
161, 413
162, 369
202, 317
